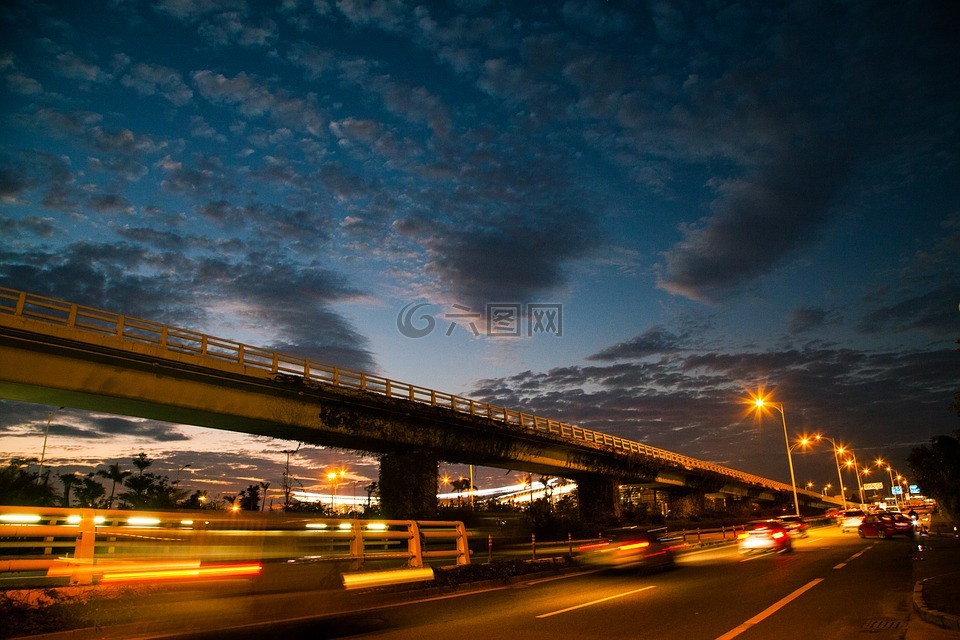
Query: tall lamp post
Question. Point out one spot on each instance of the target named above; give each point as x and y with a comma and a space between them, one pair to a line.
335, 477
852, 462
837, 450
46, 434
883, 465
760, 404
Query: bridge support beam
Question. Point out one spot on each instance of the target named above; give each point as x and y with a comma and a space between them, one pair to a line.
599, 499
408, 485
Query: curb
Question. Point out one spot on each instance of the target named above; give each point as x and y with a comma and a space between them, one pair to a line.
939, 618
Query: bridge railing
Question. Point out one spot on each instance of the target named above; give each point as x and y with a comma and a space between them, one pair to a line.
83, 319
88, 545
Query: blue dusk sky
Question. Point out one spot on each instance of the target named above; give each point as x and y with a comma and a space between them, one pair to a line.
685, 202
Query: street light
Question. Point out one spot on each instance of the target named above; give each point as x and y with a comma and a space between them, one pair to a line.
46, 434
837, 450
882, 464
760, 404
335, 477
825, 488
852, 462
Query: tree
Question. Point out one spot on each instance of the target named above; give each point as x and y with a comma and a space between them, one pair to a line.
68, 480
372, 489
115, 474
22, 487
141, 462
198, 500
459, 486
89, 492
250, 498
937, 470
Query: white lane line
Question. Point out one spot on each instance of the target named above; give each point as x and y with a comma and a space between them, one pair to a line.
853, 557
590, 604
769, 611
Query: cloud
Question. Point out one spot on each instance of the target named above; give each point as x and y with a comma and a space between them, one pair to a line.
254, 99
652, 342
71, 65
149, 80
808, 318
880, 402
280, 298
759, 223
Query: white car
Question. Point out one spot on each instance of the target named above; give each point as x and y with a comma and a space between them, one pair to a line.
851, 519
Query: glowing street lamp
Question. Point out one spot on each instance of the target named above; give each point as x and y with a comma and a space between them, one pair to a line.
883, 465
851, 462
837, 450
335, 477
760, 403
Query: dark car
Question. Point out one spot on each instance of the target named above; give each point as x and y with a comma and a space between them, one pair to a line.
764, 535
885, 525
796, 526
628, 548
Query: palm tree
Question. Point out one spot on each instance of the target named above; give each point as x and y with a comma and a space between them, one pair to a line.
459, 486
263, 500
67, 479
141, 462
116, 474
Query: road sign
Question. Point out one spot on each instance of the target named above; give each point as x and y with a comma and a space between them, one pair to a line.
873, 486
898, 490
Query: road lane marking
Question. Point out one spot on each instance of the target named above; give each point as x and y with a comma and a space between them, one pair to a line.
853, 557
769, 611
590, 604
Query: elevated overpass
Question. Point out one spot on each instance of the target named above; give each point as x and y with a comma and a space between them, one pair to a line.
58, 353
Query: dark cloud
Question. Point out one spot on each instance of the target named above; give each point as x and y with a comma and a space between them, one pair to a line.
694, 404
760, 222
934, 313
652, 342
280, 297
30, 421
809, 318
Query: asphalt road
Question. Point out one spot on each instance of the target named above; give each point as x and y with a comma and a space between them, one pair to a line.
833, 585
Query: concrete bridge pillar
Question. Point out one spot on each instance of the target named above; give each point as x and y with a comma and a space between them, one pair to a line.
599, 498
408, 485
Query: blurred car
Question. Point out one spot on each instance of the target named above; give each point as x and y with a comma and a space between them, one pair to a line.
885, 525
628, 548
796, 526
850, 519
764, 535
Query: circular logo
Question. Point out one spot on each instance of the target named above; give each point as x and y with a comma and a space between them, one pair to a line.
405, 321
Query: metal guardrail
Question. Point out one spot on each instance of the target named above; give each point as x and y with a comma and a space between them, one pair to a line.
218, 351
87, 545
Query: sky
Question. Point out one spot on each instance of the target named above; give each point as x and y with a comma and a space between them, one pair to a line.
622, 215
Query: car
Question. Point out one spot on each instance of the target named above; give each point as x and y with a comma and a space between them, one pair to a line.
850, 519
885, 525
764, 535
796, 526
628, 548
